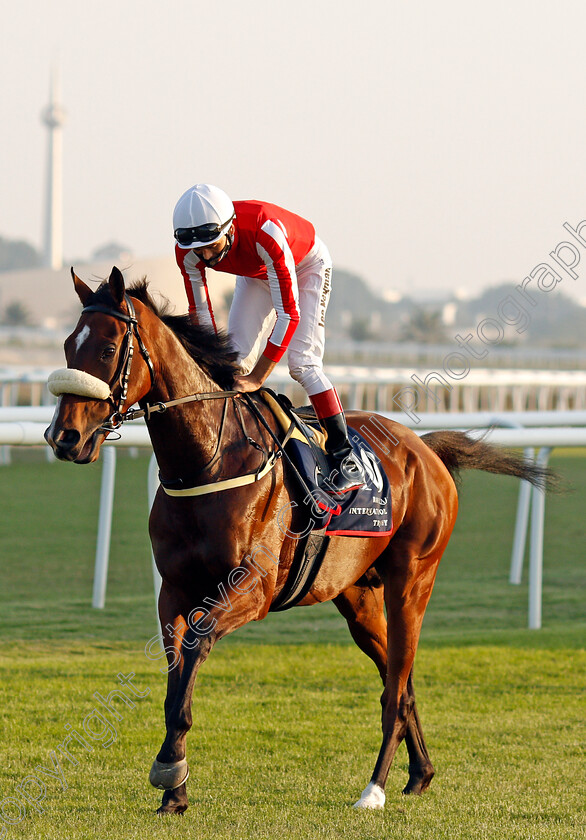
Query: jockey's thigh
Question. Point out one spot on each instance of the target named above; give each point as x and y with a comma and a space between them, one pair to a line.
306, 350
250, 320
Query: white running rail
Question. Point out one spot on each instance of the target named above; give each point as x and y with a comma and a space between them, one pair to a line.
544, 431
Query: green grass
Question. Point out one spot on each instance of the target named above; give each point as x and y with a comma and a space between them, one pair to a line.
285, 738
286, 712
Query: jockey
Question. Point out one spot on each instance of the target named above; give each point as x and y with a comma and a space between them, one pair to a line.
283, 275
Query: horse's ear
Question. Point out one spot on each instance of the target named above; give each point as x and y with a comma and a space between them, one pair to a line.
83, 292
116, 283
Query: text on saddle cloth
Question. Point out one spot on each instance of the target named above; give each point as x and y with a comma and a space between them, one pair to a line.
362, 512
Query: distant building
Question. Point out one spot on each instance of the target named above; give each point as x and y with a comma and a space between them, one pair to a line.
112, 251
50, 300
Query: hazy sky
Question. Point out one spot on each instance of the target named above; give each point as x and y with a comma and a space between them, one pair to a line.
432, 144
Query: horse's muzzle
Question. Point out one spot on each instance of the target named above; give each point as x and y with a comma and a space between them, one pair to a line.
64, 443
67, 445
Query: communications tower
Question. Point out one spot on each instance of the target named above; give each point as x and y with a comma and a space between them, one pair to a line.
53, 116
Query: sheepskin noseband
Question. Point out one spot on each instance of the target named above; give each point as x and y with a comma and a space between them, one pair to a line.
72, 381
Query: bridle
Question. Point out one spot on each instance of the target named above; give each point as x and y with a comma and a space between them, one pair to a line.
119, 416
122, 374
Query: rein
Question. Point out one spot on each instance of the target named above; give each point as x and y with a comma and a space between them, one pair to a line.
160, 407
175, 487
123, 373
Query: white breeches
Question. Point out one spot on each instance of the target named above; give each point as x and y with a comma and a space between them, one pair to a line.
252, 317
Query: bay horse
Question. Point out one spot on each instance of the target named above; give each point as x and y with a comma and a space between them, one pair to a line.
231, 550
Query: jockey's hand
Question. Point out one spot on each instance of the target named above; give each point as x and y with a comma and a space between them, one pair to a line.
253, 381
245, 384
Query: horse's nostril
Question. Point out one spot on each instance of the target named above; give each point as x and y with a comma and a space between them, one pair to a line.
67, 438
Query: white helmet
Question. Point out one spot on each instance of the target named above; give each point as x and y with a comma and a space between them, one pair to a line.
202, 215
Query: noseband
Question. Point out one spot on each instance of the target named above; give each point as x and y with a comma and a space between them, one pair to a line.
127, 351
71, 381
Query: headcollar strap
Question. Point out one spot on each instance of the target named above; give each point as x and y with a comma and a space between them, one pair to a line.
123, 373
107, 310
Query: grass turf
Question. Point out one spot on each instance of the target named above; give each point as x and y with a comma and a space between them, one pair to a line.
286, 715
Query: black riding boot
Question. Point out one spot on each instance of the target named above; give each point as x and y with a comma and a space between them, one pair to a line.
347, 470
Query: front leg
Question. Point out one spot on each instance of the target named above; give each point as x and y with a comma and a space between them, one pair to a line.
174, 801
170, 771
190, 630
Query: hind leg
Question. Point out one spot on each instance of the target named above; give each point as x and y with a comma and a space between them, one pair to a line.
409, 580
421, 770
362, 605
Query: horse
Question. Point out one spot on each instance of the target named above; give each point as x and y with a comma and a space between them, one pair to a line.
224, 553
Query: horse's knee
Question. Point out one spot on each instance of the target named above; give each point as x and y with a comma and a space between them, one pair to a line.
179, 721
396, 715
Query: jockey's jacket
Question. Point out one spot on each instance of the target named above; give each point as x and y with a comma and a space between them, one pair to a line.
269, 242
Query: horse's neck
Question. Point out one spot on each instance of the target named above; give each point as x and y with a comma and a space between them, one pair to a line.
184, 434
177, 374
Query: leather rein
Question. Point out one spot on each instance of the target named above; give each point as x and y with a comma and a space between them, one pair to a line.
176, 487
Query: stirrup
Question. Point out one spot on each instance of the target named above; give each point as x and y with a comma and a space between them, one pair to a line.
348, 474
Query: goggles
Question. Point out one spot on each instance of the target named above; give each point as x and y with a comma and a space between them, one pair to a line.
201, 233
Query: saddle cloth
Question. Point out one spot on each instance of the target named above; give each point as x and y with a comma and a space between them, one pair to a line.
365, 512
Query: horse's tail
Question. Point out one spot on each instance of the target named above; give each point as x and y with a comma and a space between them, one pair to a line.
459, 452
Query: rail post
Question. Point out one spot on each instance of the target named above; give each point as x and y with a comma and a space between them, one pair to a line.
104, 527
536, 547
521, 523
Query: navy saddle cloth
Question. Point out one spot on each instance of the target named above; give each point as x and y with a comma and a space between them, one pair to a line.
365, 512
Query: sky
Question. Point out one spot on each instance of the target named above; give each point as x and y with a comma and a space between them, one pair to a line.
434, 146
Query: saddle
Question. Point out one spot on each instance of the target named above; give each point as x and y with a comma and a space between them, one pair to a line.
362, 512
304, 443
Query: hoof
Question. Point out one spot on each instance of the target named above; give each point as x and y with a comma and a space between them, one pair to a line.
419, 783
373, 797
171, 811
168, 776
174, 802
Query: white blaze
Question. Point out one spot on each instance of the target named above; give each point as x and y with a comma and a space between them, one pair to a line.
83, 335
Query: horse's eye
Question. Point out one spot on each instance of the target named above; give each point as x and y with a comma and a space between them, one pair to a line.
108, 353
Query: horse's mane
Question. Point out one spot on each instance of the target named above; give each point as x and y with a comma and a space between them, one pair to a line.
212, 352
